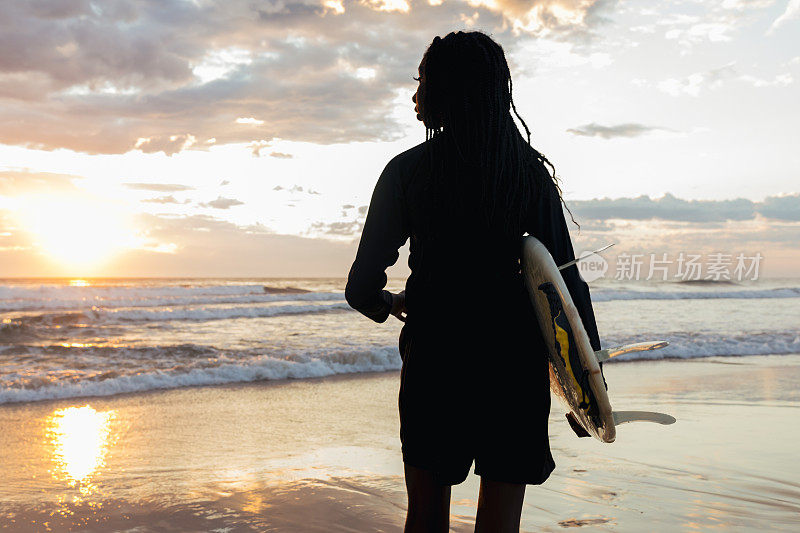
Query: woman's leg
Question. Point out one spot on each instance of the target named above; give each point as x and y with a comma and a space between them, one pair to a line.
428, 502
499, 507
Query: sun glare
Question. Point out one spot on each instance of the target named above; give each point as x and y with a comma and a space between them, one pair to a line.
81, 439
78, 233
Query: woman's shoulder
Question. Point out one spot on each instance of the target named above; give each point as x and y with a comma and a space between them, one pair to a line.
408, 158
403, 167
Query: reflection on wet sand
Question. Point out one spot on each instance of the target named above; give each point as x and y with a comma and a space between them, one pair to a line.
296, 457
81, 438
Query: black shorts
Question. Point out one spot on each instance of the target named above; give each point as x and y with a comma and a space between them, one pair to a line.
479, 396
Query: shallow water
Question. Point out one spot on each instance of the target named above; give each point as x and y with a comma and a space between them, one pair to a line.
323, 455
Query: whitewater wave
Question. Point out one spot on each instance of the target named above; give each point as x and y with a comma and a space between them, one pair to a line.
96, 354
56, 385
60, 291
209, 313
24, 298
32, 373
693, 345
150, 303
161, 314
606, 295
73, 301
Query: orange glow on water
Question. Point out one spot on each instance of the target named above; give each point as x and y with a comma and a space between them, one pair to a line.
81, 438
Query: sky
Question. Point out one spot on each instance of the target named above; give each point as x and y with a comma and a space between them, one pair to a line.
244, 138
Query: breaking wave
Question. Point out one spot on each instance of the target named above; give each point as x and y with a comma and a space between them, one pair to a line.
159, 314
605, 295
34, 373
692, 345
58, 384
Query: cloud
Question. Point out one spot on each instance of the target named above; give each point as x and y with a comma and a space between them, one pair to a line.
165, 200
713, 31
350, 228
694, 83
203, 245
629, 129
118, 75
207, 246
671, 208
169, 144
776, 242
780, 80
19, 182
249, 120
158, 187
785, 207
193, 246
792, 12
222, 203
257, 146
608, 215
698, 82
12, 238
296, 188
716, 22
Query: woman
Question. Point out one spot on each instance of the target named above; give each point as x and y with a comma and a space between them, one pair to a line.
474, 382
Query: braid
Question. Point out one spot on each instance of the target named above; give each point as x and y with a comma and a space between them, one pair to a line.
468, 97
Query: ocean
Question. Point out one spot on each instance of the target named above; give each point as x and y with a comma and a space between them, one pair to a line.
66, 338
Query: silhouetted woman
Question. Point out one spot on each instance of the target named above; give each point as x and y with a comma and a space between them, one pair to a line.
474, 382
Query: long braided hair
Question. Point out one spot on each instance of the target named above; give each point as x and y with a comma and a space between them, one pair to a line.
465, 98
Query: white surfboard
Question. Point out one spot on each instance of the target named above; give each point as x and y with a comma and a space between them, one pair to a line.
576, 376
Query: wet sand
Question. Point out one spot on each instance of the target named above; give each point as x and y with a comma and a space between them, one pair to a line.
324, 455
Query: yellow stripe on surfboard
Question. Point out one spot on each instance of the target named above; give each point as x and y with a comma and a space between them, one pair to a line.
562, 336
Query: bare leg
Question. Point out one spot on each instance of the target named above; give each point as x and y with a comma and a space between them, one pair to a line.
499, 507
428, 502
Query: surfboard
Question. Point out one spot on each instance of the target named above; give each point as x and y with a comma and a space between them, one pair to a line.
576, 375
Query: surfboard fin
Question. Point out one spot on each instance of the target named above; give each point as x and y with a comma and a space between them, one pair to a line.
608, 353
623, 417
576, 426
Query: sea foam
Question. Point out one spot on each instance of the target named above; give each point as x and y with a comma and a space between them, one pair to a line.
260, 368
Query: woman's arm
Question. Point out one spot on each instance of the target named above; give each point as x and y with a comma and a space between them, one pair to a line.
547, 223
385, 231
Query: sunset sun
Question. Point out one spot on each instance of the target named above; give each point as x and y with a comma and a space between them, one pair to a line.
78, 233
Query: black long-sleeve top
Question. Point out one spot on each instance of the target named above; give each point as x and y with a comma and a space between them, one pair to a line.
472, 274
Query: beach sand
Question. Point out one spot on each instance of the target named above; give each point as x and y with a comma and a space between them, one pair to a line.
324, 455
